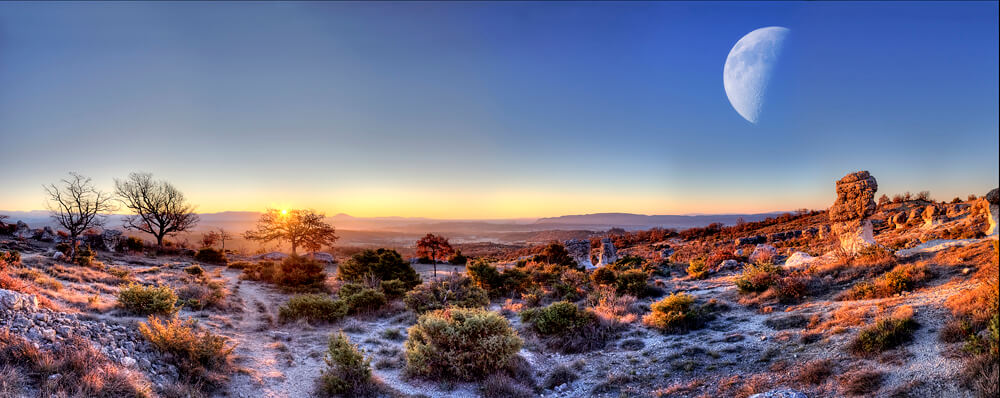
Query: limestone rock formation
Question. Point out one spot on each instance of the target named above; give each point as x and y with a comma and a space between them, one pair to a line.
799, 258
763, 253
993, 198
321, 256
606, 254
272, 256
930, 216
579, 250
849, 213
898, 220
23, 231
957, 210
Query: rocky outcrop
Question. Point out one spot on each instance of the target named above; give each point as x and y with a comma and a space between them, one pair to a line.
993, 198
751, 240
47, 235
957, 210
780, 394
898, 220
321, 256
23, 231
606, 253
272, 256
763, 253
579, 250
798, 259
20, 315
849, 213
930, 215
780, 236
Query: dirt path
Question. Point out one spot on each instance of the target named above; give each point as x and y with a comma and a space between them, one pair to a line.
276, 361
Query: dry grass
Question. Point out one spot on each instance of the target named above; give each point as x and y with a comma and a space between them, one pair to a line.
861, 382
83, 371
203, 358
816, 371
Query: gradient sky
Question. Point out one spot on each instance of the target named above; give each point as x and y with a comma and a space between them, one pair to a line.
490, 110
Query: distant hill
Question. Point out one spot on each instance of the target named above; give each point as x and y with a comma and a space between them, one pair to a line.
642, 221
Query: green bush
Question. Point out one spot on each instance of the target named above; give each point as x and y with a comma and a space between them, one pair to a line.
441, 293
569, 328
674, 313
458, 258
365, 300
347, 372
211, 256
313, 307
300, 273
697, 269
194, 270
382, 264
632, 282
349, 289
394, 288
757, 277
147, 300
883, 335
460, 343
264, 271
496, 283
558, 318
555, 253
605, 276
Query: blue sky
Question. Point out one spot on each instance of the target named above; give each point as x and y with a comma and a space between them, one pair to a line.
481, 110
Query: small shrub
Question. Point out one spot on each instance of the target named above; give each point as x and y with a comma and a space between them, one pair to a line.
240, 265
211, 256
901, 278
347, 371
204, 358
453, 291
313, 307
365, 300
299, 273
864, 382
84, 257
883, 335
757, 277
458, 258
674, 313
559, 376
496, 283
460, 343
132, 244
697, 269
816, 372
500, 385
633, 282
194, 270
202, 295
148, 300
558, 318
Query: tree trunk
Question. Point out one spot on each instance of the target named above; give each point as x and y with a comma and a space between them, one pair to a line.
72, 247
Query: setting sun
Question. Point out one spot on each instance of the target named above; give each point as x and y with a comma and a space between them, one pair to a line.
284, 212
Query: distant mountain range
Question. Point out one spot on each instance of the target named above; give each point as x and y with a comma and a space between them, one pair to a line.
242, 220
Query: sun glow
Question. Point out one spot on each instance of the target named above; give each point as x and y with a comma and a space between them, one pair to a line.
284, 212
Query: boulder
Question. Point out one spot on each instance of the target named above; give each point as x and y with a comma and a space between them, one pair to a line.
993, 198
957, 210
763, 252
728, 265
322, 256
751, 240
579, 250
898, 220
606, 253
798, 259
666, 252
849, 213
47, 235
14, 301
930, 215
272, 256
23, 231
780, 394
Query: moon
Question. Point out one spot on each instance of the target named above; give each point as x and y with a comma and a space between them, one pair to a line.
748, 69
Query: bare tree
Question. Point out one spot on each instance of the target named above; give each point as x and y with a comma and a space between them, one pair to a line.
77, 206
223, 237
304, 228
160, 209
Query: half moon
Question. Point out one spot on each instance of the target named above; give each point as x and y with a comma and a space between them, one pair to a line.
748, 69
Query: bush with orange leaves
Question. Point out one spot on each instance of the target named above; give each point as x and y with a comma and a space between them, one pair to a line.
204, 358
